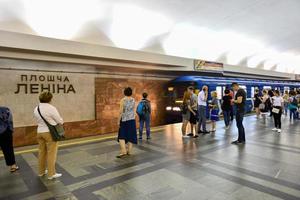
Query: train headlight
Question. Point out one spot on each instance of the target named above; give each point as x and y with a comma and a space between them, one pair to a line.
168, 108
177, 109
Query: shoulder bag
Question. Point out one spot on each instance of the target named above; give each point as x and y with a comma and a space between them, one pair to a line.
57, 131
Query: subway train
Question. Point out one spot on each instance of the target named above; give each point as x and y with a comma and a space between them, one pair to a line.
176, 88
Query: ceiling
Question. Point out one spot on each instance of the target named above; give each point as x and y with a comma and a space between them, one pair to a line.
248, 33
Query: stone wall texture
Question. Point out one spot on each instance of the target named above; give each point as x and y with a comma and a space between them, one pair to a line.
108, 93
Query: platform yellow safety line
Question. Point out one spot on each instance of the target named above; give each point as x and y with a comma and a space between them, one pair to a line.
65, 145
75, 143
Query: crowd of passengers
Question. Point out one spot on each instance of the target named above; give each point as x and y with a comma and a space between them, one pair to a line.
271, 103
194, 111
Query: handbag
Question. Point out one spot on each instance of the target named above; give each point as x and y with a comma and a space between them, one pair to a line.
275, 110
262, 106
57, 131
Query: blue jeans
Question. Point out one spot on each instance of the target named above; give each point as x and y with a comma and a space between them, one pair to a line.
293, 113
226, 114
143, 121
239, 116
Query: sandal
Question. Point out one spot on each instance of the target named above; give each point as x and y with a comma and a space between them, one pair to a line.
14, 169
121, 155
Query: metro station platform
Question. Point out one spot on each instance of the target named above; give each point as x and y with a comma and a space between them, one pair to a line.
169, 167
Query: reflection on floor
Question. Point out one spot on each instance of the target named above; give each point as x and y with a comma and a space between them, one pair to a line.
168, 167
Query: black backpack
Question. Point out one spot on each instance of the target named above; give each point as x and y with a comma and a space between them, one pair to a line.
5, 120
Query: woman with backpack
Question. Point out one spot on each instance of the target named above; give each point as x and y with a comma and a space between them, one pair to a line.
6, 138
293, 105
186, 110
144, 112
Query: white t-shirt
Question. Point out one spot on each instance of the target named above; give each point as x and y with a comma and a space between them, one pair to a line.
277, 101
201, 99
50, 114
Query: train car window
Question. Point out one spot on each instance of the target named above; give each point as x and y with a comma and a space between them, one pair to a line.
244, 88
252, 91
287, 89
267, 87
219, 92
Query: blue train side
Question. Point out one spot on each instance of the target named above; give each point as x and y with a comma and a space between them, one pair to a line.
177, 87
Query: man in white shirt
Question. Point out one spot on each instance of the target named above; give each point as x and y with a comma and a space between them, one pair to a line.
202, 104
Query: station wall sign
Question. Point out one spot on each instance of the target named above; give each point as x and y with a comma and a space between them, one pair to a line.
74, 94
208, 66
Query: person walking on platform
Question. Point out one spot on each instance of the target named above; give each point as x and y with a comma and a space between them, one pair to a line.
214, 110
286, 102
6, 138
231, 94
193, 116
278, 104
144, 112
186, 112
226, 107
127, 131
271, 94
202, 105
240, 102
47, 146
293, 105
257, 101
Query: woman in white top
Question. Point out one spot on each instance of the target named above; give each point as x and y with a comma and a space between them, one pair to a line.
278, 105
47, 146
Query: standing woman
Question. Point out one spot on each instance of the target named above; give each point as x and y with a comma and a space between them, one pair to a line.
278, 104
286, 102
6, 138
127, 131
186, 112
293, 105
214, 110
257, 101
47, 146
264, 106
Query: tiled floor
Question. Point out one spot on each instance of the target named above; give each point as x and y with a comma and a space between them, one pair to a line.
168, 167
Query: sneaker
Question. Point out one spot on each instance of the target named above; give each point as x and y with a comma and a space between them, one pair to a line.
185, 136
279, 130
238, 142
274, 129
55, 176
195, 136
190, 134
46, 172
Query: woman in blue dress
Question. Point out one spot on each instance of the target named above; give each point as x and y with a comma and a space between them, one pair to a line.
214, 110
127, 131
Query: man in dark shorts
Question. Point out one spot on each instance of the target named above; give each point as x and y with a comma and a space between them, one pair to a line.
193, 118
240, 102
